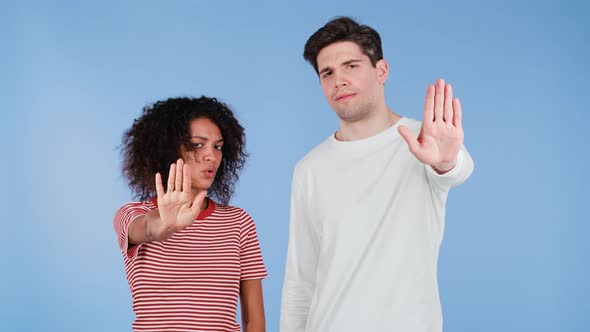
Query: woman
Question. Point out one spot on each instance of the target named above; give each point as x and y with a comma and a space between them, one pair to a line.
187, 257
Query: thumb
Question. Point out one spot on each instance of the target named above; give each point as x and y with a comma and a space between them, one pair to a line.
409, 137
198, 202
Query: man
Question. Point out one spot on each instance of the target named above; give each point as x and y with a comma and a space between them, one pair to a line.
368, 203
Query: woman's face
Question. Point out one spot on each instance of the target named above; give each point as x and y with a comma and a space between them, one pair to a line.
205, 156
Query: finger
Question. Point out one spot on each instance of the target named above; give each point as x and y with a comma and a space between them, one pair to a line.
186, 181
178, 180
448, 112
429, 104
458, 114
198, 202
409, 137
171, 176
439, 98
159, 186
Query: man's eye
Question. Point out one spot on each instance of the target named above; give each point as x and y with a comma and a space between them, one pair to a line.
326, 74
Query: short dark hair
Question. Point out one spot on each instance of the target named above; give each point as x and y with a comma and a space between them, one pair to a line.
344, 29
155, 139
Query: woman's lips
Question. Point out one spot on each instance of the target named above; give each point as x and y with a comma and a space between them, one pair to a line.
209, 173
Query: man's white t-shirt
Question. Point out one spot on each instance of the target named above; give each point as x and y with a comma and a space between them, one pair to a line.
367, 221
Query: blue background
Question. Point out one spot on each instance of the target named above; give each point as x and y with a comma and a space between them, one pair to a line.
74, 76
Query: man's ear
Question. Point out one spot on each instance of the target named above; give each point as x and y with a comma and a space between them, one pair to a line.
382, 71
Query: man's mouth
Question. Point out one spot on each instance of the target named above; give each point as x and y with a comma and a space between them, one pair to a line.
344, 96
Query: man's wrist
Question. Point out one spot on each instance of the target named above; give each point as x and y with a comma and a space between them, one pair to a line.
443, 168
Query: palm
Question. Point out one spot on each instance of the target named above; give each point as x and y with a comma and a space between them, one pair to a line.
441, 135
176, 206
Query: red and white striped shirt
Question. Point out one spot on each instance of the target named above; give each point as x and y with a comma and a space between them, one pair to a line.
191, 281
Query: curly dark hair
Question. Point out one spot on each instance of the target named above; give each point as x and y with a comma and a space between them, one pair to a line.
343, 29
155, 139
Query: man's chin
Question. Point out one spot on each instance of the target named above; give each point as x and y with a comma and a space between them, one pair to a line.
349, 115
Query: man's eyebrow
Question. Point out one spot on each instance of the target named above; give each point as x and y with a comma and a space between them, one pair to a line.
325, 69
350, 61
347, 62
206, 139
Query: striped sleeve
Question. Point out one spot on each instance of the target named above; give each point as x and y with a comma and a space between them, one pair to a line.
251, 262
123, 218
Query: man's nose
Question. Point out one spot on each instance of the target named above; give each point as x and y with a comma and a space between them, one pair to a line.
340, 79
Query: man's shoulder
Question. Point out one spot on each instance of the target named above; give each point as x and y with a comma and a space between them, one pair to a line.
316, 156
413, 124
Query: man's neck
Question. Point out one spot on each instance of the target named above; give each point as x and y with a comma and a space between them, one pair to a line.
369, 126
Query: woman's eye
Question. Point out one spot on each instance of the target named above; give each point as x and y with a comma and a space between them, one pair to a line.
197, 145
218, 147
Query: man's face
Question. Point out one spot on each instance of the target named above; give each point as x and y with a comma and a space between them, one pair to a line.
351, 84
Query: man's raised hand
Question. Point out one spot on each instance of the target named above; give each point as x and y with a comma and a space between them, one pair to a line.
441, 135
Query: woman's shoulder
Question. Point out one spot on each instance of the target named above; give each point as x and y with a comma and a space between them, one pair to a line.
228, 208
136, 205
232, 211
